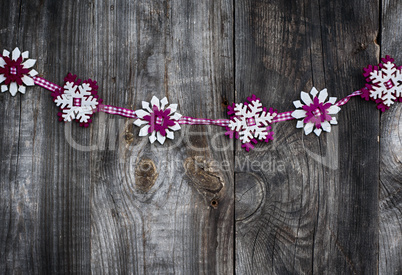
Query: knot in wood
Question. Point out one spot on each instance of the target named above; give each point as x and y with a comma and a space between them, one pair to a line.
145, 175
205, 175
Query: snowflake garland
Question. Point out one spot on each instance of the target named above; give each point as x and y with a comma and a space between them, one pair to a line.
14, 73
384, 83
77, 101
159, 122
315, 113
250, 121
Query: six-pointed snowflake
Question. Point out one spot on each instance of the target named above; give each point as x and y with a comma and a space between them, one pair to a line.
77, 101
250, 122
384, 83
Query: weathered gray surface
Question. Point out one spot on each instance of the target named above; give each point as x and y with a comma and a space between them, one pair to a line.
120, 205
102, 200
390, 204
148, 215
318, 212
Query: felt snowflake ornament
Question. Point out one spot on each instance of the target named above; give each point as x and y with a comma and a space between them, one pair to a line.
77, 101
14, 73
315, 112
160, 122
250, 122
384, 83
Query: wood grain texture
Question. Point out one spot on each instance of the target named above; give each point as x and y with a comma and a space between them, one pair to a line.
317, 210
45, 189
151, 209
102, 200
390, 204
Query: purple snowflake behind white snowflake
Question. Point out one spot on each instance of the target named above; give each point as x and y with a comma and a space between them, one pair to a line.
384, 83
77, 101
250, 122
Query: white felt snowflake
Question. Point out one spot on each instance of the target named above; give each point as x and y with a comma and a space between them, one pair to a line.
315, 112
77, 102
160, 122
251, 121
15, 74
387, 82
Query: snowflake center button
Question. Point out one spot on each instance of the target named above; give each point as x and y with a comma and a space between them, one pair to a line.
250, 121
13, 70
317, 112
389, 84
159, 120
77, 102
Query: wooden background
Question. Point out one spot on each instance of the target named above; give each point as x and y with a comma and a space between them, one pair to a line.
103, 200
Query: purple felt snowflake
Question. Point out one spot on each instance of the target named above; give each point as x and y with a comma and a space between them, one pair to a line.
384, 83
315, 112
78, 101
249, 122
159, 122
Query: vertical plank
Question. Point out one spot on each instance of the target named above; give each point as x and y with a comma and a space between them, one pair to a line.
390, 205
107, 200
45, 222
315, 208
18, 191
151, 205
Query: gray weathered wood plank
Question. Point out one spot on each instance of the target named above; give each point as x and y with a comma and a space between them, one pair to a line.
317, 205
151, 204
102, 199
45, 215
390, 199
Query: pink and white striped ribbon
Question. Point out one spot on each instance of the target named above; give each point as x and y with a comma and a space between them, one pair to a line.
345, 100
117, 111
283, 117
45, 84
203, 121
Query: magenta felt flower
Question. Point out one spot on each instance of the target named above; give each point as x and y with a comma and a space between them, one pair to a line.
159, 122
315, 112
14, 73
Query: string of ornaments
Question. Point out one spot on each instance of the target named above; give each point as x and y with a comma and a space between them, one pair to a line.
249, 122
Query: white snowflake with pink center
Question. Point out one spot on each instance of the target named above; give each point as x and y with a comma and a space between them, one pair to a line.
385, 83
250, 122
77, 102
